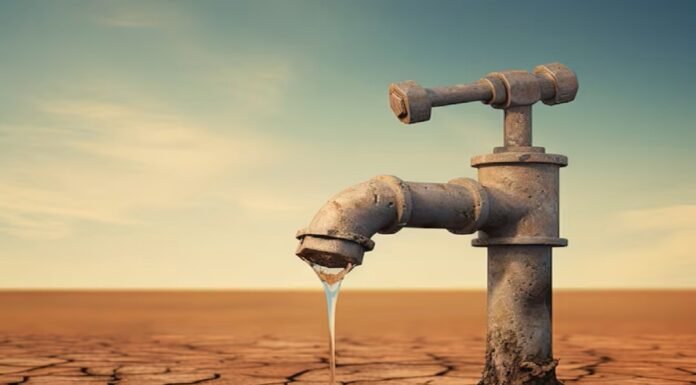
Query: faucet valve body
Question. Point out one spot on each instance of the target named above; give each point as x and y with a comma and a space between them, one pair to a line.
523, 188
521, 182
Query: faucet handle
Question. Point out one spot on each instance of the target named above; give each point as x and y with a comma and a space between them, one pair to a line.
552, 83
413, 103
564, 80
410, 102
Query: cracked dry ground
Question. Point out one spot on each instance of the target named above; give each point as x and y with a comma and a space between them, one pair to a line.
158, 339
215, 360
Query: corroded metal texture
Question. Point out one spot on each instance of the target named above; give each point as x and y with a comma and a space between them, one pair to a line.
341, 231
563, 81
523, 189
521, 88
518, 126
515, 207
519, 350
551, 83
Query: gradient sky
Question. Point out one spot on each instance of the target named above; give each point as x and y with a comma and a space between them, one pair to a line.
182, 144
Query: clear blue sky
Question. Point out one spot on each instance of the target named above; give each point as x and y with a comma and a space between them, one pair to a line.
182, 144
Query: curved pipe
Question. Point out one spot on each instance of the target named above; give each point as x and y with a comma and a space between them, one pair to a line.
341, 231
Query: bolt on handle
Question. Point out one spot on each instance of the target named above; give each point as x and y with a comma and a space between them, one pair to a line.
551, 83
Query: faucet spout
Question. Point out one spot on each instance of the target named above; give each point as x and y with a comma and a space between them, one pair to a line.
340, 233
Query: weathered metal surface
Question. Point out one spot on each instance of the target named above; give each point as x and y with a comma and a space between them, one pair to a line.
515, 208
521, 88
518, 343
551, 83
340, 232
518, 126
523, 189
563, 80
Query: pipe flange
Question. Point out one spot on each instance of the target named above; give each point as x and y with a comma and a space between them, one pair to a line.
498, 93
519, 157
366, 243
481, 205
537, 149
530, 241
403, 203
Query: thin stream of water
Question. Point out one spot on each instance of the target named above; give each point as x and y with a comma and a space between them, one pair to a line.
331, 279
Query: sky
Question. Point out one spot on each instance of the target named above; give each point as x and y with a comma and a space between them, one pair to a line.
181, 144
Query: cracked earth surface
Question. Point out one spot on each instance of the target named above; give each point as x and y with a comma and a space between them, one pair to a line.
266, 338
176, 360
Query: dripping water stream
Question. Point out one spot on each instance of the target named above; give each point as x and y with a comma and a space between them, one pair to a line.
331, 278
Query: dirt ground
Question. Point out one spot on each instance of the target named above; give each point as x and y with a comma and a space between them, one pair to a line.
256, 338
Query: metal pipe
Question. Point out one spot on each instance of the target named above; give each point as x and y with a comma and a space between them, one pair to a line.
518, 341
341, 231
460, 93
518, 126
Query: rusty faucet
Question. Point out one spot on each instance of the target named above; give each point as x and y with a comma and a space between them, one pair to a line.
514, 207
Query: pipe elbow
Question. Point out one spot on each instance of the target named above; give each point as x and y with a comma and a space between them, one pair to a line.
342, 229
340, 233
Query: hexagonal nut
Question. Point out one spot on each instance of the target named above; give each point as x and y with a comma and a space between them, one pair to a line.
398, 104
565, 82
410, 102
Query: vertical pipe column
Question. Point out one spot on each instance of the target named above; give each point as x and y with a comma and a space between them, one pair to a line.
518, 126
522, 229
519, 349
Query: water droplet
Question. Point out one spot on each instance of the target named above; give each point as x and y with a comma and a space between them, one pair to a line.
331, 278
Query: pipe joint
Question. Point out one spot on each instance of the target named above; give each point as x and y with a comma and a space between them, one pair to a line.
340, 232
523, 188
481, 205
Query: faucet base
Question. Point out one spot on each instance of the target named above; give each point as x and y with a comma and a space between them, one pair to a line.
546, 376
518, 343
